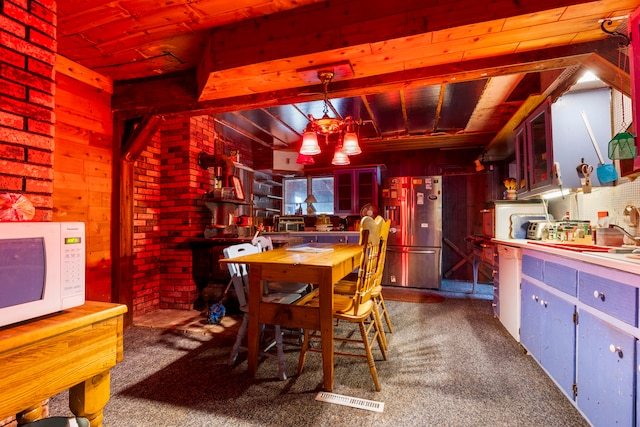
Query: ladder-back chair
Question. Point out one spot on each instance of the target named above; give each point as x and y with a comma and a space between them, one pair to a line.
240, 278
356, 308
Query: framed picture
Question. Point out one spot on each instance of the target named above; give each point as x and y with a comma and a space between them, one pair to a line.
237, 186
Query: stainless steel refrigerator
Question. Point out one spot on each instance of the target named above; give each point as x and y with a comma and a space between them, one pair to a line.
414, 251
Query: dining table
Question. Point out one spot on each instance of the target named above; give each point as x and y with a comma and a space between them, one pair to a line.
319, 264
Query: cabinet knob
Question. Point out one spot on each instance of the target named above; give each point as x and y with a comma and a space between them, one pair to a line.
534, 297
599, 295
543, 303
615, 349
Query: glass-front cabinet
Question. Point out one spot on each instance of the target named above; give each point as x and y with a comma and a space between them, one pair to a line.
540, 146
534, 150
354, 188
521, 159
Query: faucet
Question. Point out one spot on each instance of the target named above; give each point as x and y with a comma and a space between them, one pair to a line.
631, 236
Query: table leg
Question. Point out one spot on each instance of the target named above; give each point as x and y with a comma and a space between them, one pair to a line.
88, 398
326, 328
476, 265
253, 331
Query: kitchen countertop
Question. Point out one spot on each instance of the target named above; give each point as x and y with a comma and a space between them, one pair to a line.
605, 259
350, 233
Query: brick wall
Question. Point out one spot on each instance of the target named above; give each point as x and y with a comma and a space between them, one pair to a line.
146, 229
168, 210
27, 88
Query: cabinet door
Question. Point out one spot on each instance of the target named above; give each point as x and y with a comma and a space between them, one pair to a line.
531, 319
605, 377
547, 331
540, 147
521, 177
366, 188
343, 191
559, 341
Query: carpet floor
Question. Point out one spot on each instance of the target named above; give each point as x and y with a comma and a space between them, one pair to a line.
449, 364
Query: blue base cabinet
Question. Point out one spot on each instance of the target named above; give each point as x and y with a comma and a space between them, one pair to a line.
606, 362
580, 322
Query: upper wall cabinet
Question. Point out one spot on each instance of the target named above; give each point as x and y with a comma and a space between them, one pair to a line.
554, 140
354, 188
534, 150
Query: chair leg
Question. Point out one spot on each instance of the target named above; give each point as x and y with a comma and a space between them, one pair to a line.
382, 339
281, 368
241, 332
384, 311
303, 351
377, 336
372, 364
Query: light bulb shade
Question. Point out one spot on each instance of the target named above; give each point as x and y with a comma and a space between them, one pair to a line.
310, 145
339, 158
350, 145
310, 199
304, 159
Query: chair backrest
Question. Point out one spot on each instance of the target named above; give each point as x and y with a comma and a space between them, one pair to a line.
384, 239
263, 242
239, 272
370, 239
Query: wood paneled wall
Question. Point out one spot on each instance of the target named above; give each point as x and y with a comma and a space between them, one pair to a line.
82, 171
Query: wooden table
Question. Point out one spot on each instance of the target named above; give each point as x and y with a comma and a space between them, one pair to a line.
74, 349
323, 269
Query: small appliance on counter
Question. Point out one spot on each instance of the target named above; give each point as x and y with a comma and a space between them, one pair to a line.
556, 229
496, 218
290, 223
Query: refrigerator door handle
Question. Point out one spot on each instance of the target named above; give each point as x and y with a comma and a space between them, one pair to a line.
411, 251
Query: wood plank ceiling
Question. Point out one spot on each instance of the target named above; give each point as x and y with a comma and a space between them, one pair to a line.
419, 74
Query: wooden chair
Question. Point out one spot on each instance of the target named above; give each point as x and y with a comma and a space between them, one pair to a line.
356, 308
240, 278
347, 286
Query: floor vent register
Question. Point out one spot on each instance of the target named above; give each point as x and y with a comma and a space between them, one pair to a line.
354, 402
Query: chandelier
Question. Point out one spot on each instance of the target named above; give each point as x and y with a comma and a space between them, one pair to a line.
347, 139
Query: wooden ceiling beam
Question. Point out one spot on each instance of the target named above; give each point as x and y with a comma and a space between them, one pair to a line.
448, 141
175, 95
342, 25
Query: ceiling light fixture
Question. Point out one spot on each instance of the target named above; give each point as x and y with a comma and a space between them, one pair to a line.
347, 139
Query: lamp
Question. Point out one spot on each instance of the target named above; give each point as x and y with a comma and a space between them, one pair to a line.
311, 210
304, 159
326, 126
339, 157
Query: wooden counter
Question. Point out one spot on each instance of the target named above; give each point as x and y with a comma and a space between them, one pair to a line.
74, 349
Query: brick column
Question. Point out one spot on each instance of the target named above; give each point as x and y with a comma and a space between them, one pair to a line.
182, 215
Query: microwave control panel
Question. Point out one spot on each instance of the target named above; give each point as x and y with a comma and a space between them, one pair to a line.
73, 258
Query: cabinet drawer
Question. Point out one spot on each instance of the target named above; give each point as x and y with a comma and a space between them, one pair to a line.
561, 277
614, 298
532, 267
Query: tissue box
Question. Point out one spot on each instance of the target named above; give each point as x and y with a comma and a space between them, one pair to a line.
609, 237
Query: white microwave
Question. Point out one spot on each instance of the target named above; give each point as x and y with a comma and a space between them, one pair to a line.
42, 269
